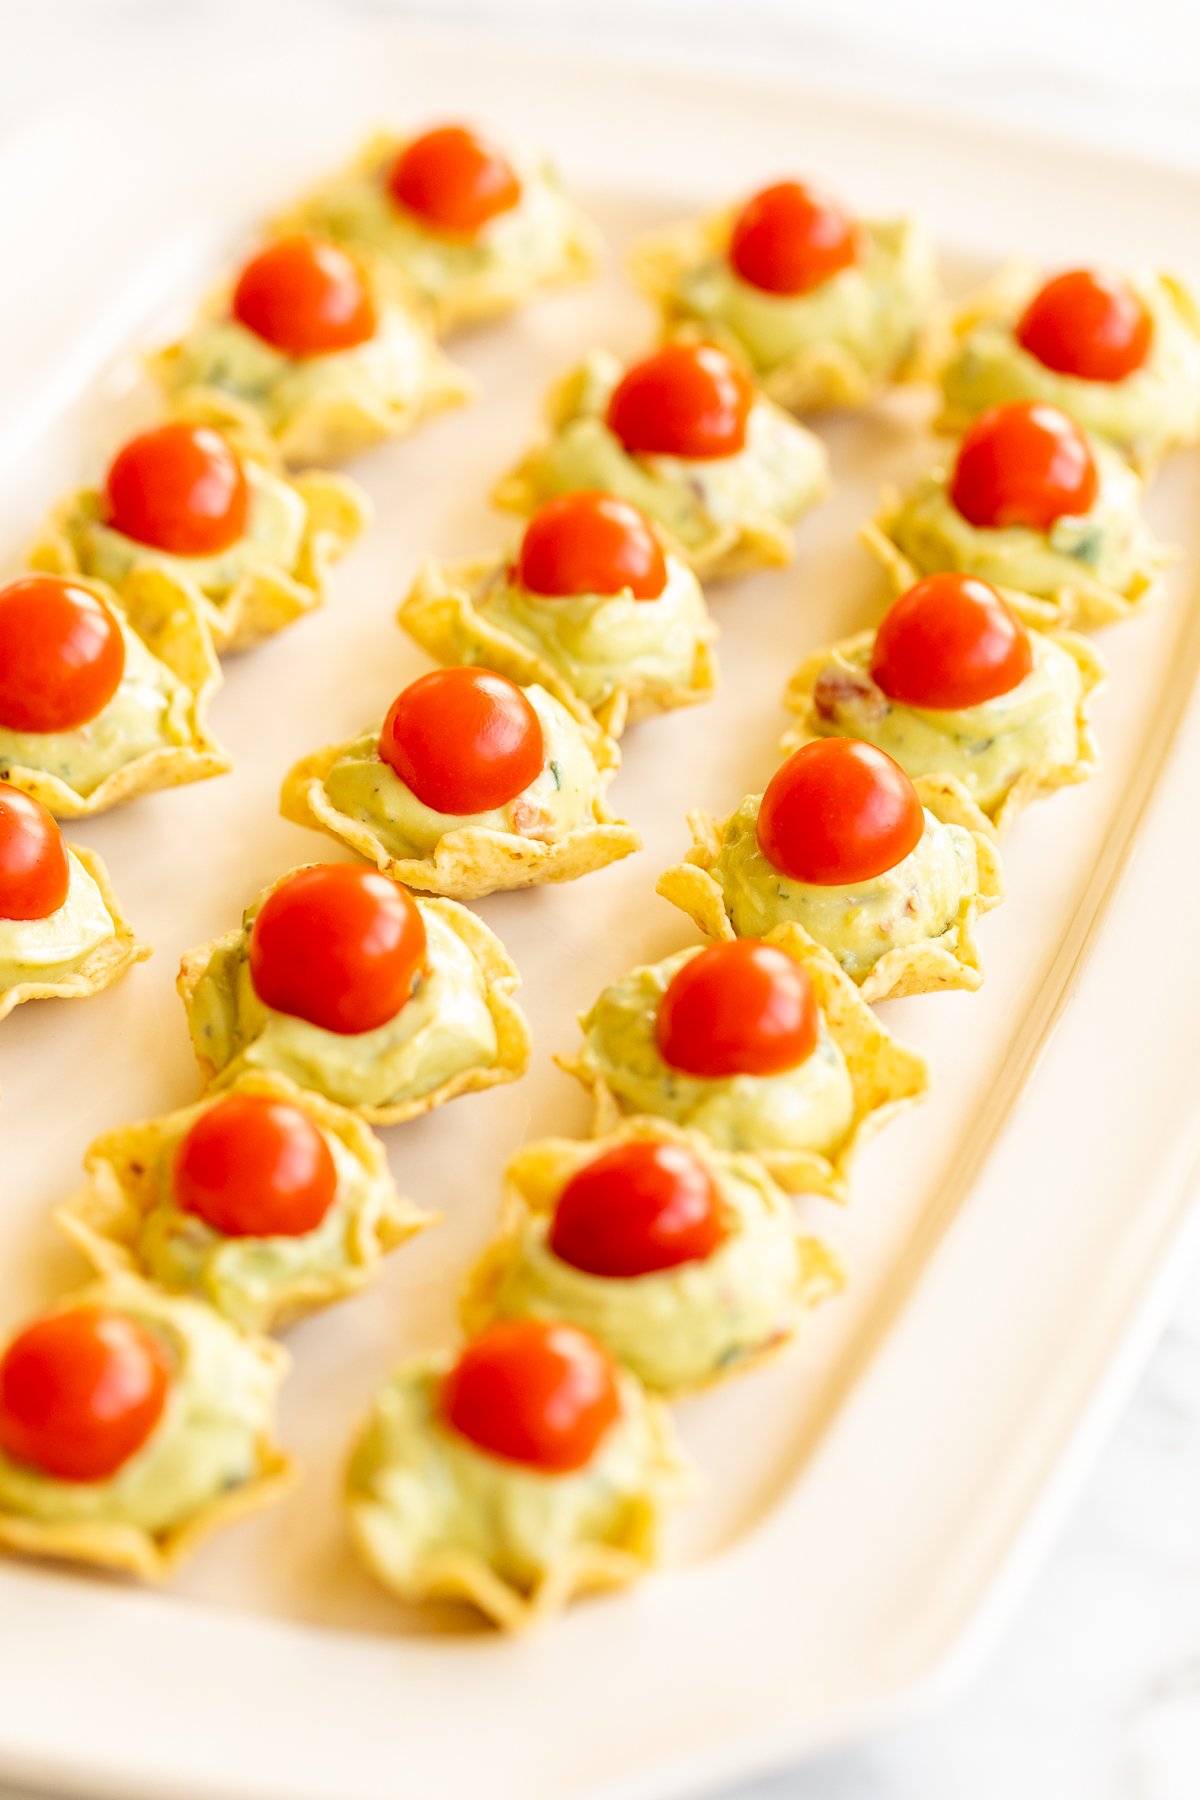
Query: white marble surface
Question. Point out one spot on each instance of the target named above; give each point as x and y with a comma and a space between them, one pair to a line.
1093, 1692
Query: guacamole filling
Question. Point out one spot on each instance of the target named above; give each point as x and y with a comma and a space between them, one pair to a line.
45, 949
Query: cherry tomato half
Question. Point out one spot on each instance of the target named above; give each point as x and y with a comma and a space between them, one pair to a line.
1087, 323
790, 238
252, 1166
635, 1209
590, 543
533, 1393
1023, 464
949, 642
465, 740
178, 488
339, 946
688, 400
80, 1393
743, 1008
306, 297
62, 654
454, 180
838, 812
35, 872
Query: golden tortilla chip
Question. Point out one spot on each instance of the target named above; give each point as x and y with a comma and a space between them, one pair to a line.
100, 967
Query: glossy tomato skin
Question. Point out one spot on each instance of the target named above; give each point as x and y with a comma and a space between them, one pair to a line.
637, 1209
80, 1393
253, 1166
838, 812
1023, 463
591, 543
464, 740
339, 946
1089, 324
178, 488
790, 238
454, 180
950, 642
540, 1395
686, 400
742, 1008
306, 297
62, 655
35, 873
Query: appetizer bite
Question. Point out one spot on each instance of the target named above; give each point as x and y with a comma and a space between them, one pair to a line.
827, 310
685, 1262
473, 785
475, 231
952, 683
1033, 505
763, 1046
889, 875
321, 348
592, 608
62, 934
195, 518
1119, 353
342, 982
264, 1201
525, 1470
99, 700
133, 1424
684, 434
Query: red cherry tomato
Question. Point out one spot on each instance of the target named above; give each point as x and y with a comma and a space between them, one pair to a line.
464, 740
34, 871
178, 488
454, 180
62, 655
790, 238
743, 1008
838, 812
1087, 323
1023, 464
306, 297
949, 642
636, 1209
533, 1393
339, 946
80, 1393
589, 543
687, 400
255, 1167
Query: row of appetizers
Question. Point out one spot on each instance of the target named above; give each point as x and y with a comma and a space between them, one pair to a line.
663, 1253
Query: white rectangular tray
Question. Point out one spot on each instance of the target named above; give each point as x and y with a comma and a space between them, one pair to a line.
872, 1497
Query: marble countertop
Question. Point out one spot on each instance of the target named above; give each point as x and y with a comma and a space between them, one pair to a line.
1093, 1692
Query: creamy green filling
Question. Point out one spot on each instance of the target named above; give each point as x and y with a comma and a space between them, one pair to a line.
444, 1029
248, 1279
917, 900
561, 799
809, 1107
873, 310
679, 1327
1108, 546
988, 747
151, 710
600, 643
274, 533
43, 949
226, 355
1154, 407
528, 239
418, 1490
206, 1442
780, 472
